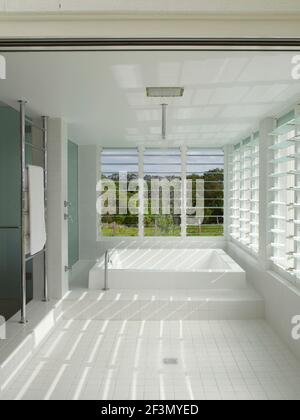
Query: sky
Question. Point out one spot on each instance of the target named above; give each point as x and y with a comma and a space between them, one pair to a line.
161, 161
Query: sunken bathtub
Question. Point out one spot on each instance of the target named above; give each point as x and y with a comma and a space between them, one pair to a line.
168, 269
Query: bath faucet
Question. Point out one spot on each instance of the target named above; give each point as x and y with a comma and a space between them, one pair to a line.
107, 260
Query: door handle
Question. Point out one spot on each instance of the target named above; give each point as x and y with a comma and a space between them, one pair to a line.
68, 217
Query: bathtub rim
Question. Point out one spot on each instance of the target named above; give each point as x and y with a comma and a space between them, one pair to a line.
234, 267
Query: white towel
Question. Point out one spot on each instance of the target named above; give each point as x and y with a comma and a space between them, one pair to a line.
37, 225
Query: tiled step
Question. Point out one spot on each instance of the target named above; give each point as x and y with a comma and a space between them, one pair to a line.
23, 339
156, 305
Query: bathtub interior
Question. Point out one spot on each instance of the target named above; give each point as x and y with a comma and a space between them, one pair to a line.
170, 260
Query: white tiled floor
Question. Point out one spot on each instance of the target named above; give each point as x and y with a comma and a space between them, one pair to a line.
121, 359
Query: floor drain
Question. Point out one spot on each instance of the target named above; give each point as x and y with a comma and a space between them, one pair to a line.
170, 361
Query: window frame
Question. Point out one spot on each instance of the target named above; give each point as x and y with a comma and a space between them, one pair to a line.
286, 229
183, 166
244, 191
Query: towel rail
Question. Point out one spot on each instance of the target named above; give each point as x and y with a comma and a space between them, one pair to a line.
40, 149
30, 257
23, 220
24, 212
28, 120
10, 227
45, 144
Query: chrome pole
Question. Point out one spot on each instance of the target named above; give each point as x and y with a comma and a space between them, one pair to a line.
106, 261
164, 121
22, 204
45, 146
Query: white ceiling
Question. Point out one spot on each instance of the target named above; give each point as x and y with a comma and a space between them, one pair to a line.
102, 94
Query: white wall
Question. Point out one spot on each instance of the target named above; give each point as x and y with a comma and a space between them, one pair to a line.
87, 173
57, 227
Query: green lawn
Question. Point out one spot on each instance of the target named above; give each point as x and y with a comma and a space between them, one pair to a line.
152, 231
119, 231
207, 230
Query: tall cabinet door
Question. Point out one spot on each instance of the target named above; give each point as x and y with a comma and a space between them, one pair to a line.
10, 220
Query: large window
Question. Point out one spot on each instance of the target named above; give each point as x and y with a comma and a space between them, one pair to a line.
119, 169
244, 192
162, 176
205, 187
161, 192
285, 193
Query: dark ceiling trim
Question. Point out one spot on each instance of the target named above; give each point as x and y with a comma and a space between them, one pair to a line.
149, 42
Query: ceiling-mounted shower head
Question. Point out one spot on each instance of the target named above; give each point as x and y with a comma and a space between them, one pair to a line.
164, 92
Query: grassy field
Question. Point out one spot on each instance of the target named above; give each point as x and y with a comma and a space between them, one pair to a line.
207, 230
119, 231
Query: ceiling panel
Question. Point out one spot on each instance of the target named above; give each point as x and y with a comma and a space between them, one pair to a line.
102, 94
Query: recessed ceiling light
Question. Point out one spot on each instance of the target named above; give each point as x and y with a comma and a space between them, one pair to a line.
164, 92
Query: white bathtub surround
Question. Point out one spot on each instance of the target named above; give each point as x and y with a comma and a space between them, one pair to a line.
37, 225
79, 276
164, 304
168, 269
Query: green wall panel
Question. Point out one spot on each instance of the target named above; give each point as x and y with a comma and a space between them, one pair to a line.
10, 171
73, 199
10, 189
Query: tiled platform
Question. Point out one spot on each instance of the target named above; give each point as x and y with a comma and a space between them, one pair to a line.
159, 304
104, 359
113, 345
23, 339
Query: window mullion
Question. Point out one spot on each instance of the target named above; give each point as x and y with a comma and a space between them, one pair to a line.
141, 191
183, 191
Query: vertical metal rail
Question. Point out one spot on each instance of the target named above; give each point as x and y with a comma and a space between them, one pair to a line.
164, 121
45, 145
183, 152
23, 232
23, 206
141, 191
106, 262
